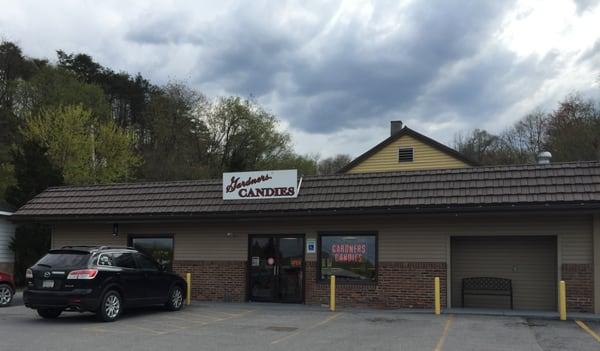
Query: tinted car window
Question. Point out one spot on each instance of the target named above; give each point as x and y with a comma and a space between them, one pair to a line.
60, 259
124, 260
158, 248
146, 263
116, 259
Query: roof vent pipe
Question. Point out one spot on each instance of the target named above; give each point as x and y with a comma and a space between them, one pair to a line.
544, 157
395, 127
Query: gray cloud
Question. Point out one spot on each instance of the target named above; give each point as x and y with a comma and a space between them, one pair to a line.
583, 5
353, 76
331, 68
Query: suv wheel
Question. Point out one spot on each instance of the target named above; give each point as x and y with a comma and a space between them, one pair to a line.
49, 313
175, 302
111, 306
6, 295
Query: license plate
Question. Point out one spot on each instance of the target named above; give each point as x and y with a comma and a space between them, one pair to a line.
48, 284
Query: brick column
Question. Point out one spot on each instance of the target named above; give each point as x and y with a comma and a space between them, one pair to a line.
579, 281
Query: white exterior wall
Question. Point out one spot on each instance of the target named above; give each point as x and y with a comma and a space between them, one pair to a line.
7, 231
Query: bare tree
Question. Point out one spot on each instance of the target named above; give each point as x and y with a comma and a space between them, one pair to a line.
333, 164
528, 136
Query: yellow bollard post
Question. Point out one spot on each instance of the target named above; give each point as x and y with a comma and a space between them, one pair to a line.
562, 300
188, 295
332, 293
437, 295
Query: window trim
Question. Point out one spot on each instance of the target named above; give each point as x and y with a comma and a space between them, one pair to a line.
406, 148
373, 233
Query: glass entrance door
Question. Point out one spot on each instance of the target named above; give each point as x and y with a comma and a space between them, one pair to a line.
276, 266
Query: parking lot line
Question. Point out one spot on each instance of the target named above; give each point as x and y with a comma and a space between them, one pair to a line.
440, 344
155, 332
323, 322
189, 320
169, 327
104, 330
588, 330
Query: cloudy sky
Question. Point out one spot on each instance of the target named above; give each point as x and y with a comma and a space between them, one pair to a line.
336, 73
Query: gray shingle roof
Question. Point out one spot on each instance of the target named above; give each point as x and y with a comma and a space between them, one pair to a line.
544, 186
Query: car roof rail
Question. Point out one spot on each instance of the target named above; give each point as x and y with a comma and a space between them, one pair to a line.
116, 247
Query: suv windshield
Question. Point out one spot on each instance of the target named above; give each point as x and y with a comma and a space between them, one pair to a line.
65, 259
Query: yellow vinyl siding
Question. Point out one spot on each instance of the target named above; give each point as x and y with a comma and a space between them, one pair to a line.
425, 157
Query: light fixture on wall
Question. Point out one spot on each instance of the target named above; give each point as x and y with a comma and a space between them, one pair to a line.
115, 232
229, 235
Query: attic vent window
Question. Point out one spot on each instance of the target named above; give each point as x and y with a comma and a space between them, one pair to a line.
406, 154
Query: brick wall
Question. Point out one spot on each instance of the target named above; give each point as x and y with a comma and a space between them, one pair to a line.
580, 287
215, 280
399, 285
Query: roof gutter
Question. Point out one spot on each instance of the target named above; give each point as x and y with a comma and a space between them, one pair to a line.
507, 208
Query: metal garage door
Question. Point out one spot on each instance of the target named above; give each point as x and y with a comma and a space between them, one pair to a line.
530, 262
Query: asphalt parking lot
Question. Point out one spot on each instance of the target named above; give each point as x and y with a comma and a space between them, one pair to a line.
217, 326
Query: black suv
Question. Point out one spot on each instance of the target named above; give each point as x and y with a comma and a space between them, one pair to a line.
103, 280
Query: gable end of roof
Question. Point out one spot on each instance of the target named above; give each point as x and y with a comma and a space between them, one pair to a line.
407, 131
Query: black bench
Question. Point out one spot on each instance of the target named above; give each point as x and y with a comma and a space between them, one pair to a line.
487, 286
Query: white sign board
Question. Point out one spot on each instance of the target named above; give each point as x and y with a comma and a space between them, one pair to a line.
260, 185
311, 245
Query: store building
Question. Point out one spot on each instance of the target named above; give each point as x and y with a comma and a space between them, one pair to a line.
7, 231
406, 211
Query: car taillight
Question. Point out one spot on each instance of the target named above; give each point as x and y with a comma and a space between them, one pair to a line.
83, 274
29, 274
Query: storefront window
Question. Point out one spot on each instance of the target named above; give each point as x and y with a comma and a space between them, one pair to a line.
348, 256
160, 248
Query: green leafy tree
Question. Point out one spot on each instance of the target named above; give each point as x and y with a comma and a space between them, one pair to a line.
306, 165
128, 96
14, 68
34, 173
86, 150
175, 144
243, 136
53, 87
30, 243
